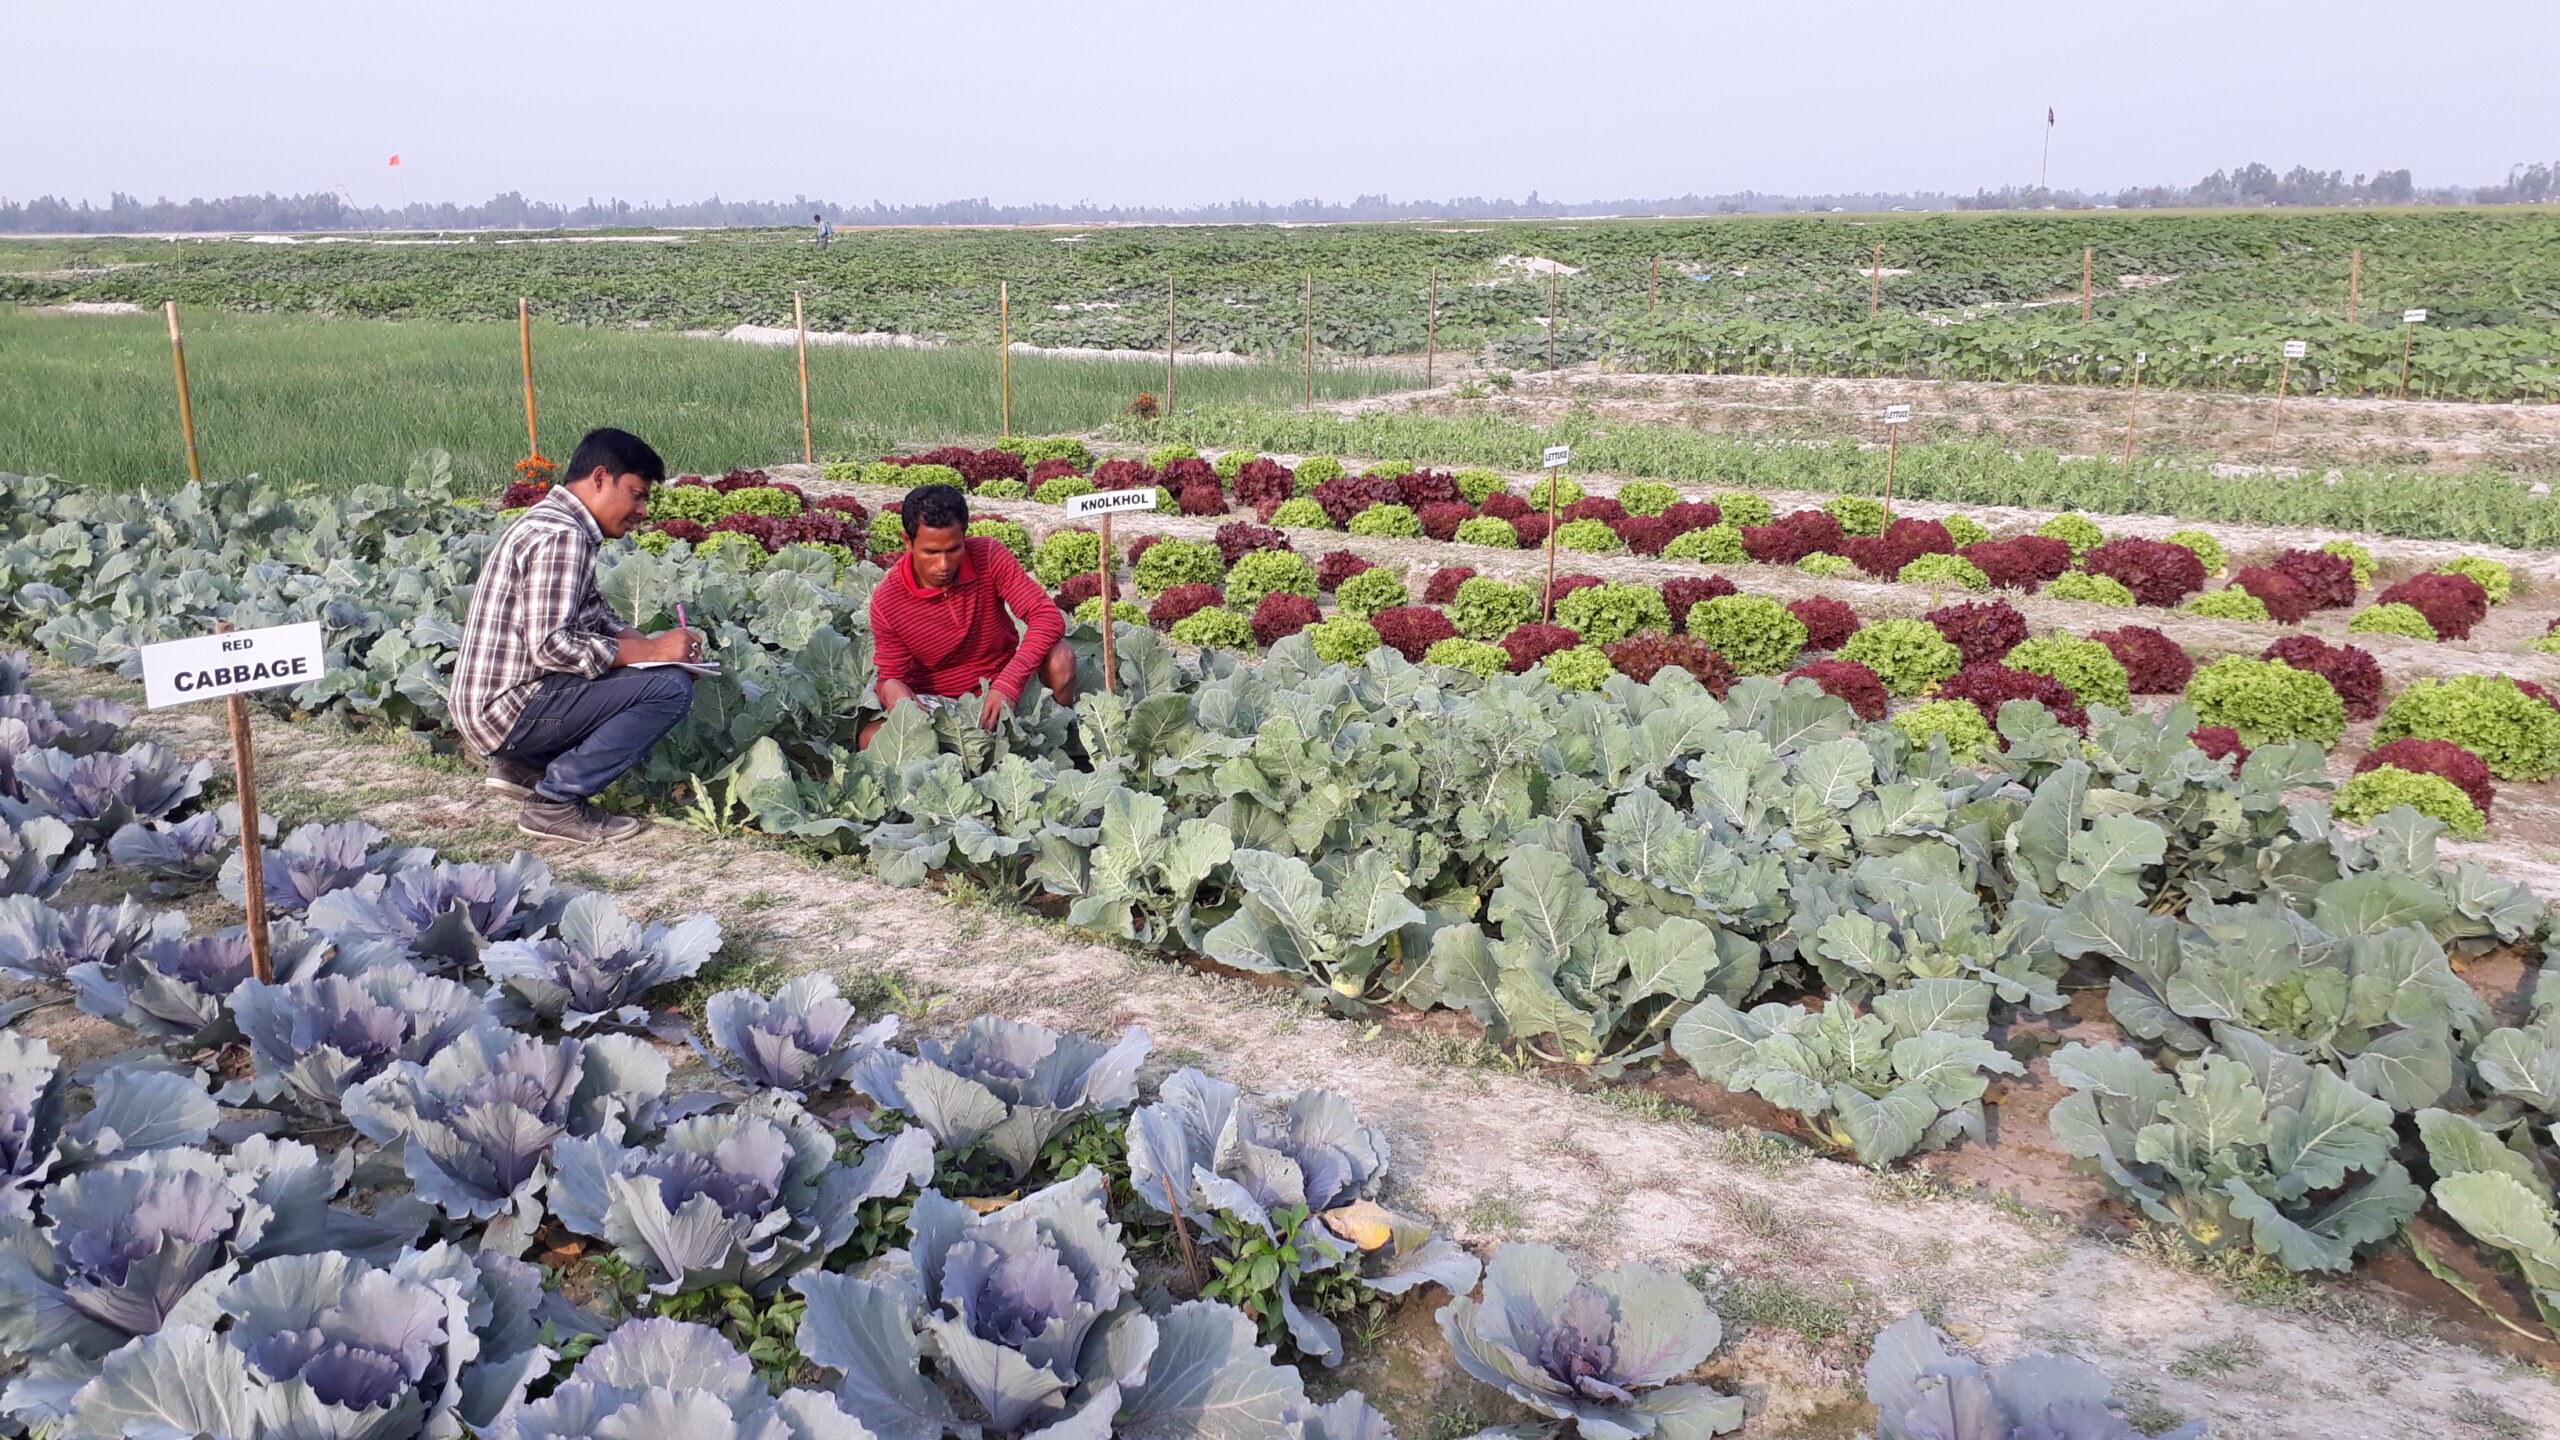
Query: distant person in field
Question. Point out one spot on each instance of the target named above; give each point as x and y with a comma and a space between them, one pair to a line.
552, 689
826, 230
939, 630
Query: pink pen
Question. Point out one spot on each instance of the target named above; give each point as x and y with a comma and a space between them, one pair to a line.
681, 625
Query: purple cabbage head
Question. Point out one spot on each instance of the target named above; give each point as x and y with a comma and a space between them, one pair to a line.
444, 913
99, 793
1923, 1393
802, 1041
133, 1108
667, 1380
317, 859
1006, 1084
1597, 1352
476, 1122
38, 854
177, 987
314, 1037
39, 942
597, 963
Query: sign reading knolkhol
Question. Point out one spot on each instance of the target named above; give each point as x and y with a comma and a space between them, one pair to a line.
206, 667
1111, 502
1557, 457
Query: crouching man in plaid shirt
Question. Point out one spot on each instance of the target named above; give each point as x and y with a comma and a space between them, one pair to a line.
938, 625
552, 688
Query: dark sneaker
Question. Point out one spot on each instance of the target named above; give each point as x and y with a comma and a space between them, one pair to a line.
576, 821
509, 778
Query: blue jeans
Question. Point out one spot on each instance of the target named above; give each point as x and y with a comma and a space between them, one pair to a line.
582, 734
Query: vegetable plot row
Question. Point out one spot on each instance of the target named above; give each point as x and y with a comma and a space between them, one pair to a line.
1598, 876
960, 1247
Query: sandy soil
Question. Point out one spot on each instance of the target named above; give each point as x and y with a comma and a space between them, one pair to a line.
2074, 419
1807, 1256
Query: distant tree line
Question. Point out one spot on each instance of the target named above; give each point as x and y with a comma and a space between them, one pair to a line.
2250, 185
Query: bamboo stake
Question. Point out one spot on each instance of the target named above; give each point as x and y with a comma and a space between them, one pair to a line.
2355, 283
186, 405
1553, 278
1875, 283
524, 342
1311, 337
2408, 340
2088, 258
253, 857
800, 332
1431, 331
1892, 447
1182, 1232
2135, 409
1004, 349
1555, 479
1168, 349
1110, 562
2283, 377
1653, 290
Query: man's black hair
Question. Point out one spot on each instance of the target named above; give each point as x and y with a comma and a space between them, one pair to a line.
933, 507
620, 453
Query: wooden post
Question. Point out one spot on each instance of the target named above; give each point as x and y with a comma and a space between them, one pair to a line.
1555, 485
1431, 331
1168, 349
1892, 447
253, 856
2088, 259
1004, 351
2135, 409
1653, 288
2283, 377
2408, 340
186, 406
800, 331
2355, 283
1110, 562
1875, 284
1554, 278
1311, 337
524, 342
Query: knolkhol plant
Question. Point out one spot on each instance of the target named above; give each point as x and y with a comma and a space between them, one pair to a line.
476, 1122
745, 1197
1005, 1085
800, 1042
1330, 927
596, 964
1286, 1206
1599, 1353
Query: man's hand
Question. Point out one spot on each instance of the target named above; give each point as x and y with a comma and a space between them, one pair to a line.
994, 709
636, 649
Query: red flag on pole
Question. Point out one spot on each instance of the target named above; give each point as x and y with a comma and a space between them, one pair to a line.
2048, 119
395, 159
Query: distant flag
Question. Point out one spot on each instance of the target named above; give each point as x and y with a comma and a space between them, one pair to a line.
395, 160
2044, 167
2048, 119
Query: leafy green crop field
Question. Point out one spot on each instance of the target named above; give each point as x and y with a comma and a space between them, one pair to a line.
1977, 296
320, 403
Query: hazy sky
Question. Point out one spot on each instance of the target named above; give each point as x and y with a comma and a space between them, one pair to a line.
1118, 102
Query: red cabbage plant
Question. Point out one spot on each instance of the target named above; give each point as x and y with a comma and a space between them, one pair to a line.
1641, 657
2451, 603
2157, 572
1181, 603
1828, 623
1533, 642
1983, 631
2285, 601
2350, 670
1236, 538
1991, 686
2467, 771
1338, 566
1682, 591
2020, 564
1441, 519
2153, 663
1444, 582
2329, 580
1846, 680
1281, 615
2222, 743
1413, 629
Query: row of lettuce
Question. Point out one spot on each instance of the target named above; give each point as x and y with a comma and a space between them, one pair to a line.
1835, 914
2439, 744
944, 1244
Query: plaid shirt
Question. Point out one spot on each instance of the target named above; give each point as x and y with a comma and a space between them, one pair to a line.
534, 612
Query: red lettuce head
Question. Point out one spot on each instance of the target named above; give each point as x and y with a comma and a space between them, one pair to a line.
1925, 537
1236, 538
1644, 534
1263, 482
1534, 642
1428, 487
1441, 519
2020, 564
1048, 470
1983, 631
1122, 475
2222, 743
1682, 591
2153, 663
1201, 499
2350, 670
1078, 589
1338, 566
1530, 529
2285, 602
1991, 686
1181, 603
1281, 615
1503, 505
1443, 585
1641, 657
2436, 757
1688, 515
1413, 629
1567, 584
1880, 556
2157, 572
2451, 603
1180, 475
1603, 508
1828, 623
2329, 580
1846, 680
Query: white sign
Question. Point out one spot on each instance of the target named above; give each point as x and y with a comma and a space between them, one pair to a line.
2139, 356
1111, 502
2413, 317
205, 667
1897, 414
2296, 349
1558, 457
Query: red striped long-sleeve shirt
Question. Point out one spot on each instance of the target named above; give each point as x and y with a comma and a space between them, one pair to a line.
947, 641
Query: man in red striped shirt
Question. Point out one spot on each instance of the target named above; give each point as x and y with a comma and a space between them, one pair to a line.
938, 622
